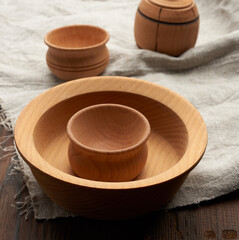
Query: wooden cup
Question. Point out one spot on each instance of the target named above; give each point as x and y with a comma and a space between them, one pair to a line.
108, 142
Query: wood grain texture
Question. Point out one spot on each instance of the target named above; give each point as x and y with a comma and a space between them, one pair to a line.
77, 51
182, 16
174, 4
175, 40
107, 142
176, 145
67, 74
164, 29
145, 32
78, 69
217, 219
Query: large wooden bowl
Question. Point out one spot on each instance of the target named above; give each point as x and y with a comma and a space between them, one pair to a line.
177, 142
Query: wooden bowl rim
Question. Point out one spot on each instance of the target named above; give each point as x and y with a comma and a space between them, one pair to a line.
109, 152
25, 142
51, 45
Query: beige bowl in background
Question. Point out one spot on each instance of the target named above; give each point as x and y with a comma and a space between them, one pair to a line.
79, 47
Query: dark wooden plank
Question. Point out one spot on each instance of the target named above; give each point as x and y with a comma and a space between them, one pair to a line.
8, 212
6, 140
217, 219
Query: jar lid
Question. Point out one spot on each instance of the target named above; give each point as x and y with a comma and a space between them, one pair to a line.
169, 11
174, 4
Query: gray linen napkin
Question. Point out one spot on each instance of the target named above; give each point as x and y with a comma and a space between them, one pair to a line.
206, 75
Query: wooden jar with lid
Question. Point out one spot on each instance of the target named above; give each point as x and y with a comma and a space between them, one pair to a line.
166, 26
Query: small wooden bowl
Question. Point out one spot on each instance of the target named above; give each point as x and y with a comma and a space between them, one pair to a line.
166, 26
176, 144
108, 142
78, 46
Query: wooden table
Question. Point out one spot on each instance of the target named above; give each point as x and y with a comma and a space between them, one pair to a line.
217, 219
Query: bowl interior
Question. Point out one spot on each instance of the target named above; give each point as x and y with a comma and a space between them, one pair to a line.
166, 145
107, 127
80, 36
